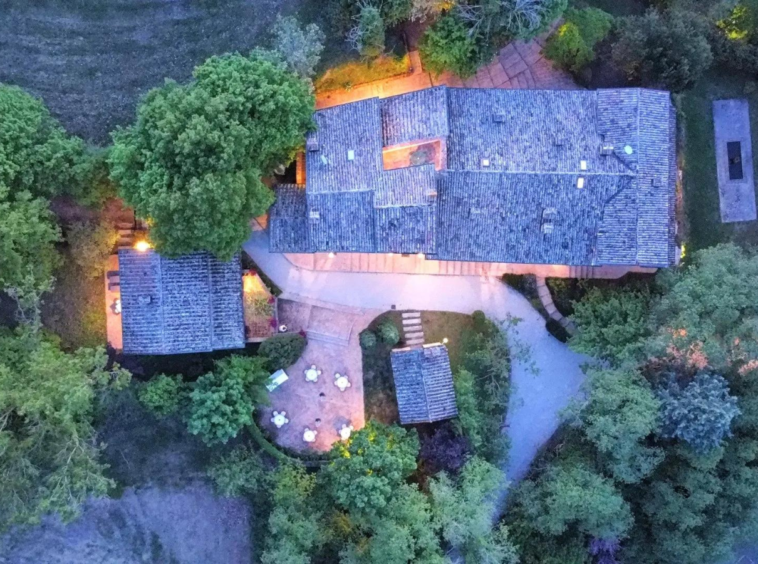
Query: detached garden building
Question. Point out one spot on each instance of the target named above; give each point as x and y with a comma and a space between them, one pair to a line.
423, 384
568, 181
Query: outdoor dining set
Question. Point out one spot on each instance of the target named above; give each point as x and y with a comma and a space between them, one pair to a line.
279, 418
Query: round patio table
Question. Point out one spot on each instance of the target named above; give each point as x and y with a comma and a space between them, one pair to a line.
280, 419
312, 374
345, 432
309, 436
341, 382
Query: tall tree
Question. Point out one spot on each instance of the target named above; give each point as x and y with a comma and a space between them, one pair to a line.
49, 455
699, 413
192, 163
667, 50
367, 470
36, 154
620, 415
708, 316
573, 495
223, 401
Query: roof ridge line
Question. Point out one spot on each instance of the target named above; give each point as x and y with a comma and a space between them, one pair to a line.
423, 381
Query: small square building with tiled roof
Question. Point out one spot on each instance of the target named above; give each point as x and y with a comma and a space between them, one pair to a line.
423, 384
188, 304
538, 177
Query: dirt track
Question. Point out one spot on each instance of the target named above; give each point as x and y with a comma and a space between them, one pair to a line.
151, 525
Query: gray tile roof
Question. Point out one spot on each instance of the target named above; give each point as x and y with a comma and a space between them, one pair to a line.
414, 116
523, 218
188, 304
423, 384
289, 224
513, 161
355, 127
342, 222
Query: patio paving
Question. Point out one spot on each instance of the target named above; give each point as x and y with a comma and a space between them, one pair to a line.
517, 65
333, 347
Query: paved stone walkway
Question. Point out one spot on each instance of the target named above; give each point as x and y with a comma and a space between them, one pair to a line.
547, 302
517, 65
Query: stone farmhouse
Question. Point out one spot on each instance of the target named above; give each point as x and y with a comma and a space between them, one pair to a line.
511, 179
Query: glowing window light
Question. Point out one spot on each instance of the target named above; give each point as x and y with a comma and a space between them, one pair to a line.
142, 246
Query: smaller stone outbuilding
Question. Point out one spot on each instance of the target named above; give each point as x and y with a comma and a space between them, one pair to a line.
423, 384
188, 304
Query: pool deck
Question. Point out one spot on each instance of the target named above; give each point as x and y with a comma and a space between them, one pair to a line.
731, 123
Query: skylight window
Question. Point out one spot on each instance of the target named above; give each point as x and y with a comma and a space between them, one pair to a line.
350, 155
583, 165
580, 182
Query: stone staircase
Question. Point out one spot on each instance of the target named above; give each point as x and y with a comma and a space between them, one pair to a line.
413, 332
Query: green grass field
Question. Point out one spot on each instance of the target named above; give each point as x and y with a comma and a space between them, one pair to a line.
701, 200
91, 60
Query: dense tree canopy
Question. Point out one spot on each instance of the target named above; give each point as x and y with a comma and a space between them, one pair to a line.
192, 163
669, 50
222, 401
371, 466
28, 234
620, 414
36, 155
708, 315
49, 455
612, 323
699, 413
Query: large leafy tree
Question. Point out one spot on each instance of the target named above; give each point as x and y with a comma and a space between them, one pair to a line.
463, 511
192, 163
367, 470
223, 401
612, 323
620, 415
49, 455
28, 234
294, 526
574, 495
668, 50
36, 154
708, 316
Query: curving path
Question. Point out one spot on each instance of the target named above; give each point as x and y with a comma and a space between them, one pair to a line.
537, 399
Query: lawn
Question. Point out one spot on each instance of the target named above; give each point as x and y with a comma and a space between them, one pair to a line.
378, 384
91, 61
701, 201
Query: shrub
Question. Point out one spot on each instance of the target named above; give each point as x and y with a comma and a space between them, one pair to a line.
572, 46
163, 395
282, 351
389, 332
669, 50
449, 45
368, 340
557, 330
237, 473
90, 246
